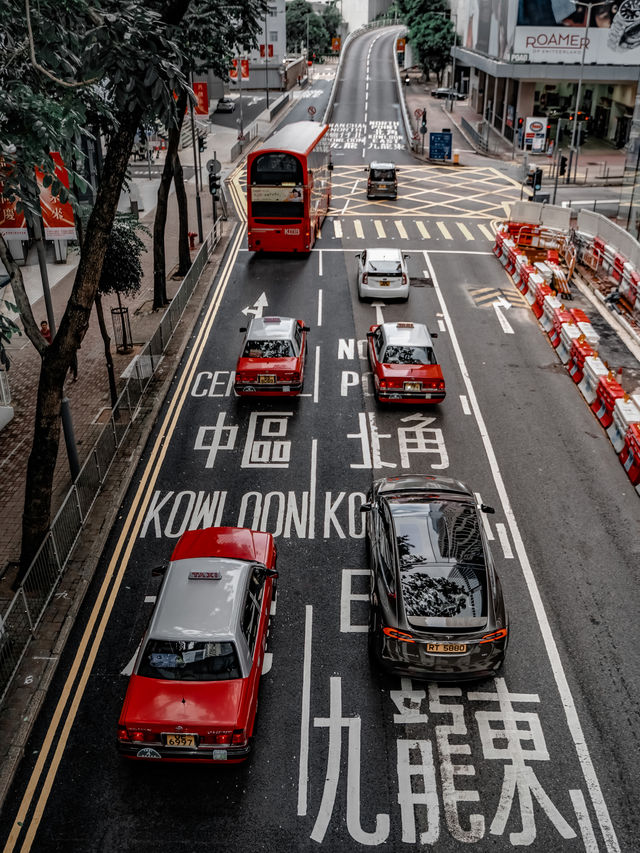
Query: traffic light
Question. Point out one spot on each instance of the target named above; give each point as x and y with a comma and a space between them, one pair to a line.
214, 183
563, 165
537, 179
201, 143
529, 179
424, 117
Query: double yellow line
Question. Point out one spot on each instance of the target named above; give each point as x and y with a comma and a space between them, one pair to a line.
74, 687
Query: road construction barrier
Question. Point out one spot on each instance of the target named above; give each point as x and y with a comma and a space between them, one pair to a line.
550, 305
498, 246
589, 332
523, 284
513, 254
608, 391
545, 271
630, 455
561, 316
507, 246
625, 413
580, 351
542, 291
522, 262
535, 281
594, 370
569, 332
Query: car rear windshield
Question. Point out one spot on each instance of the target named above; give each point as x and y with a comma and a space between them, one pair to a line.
408, 355
382, 175
178, 660
445, 592
268, 349
384, 268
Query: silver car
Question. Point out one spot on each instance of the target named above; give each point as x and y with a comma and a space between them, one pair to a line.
383, 274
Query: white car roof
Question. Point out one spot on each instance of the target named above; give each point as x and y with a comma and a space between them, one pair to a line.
271, 329
384, 255
192, 605
377, 164
407, 334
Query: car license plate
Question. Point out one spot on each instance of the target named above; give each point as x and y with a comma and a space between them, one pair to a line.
266, 380
291, 231
184, 741
385, 283
447, 648
413, 386
383, 186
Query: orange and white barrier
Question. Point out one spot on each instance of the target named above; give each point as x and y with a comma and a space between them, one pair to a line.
537, 307
625, 413
535, 281
498, 246
630, 455
590, 333
560, 317
608, 391
594, 370
568, 334
580, 351
550, 305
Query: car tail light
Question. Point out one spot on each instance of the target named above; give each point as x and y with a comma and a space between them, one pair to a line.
295, 376
365, 277
437, 384
222, 737
494, 635
404, 278
123, 734
395, 634
135, 737
239, 737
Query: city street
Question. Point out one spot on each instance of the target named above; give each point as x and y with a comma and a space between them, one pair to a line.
544, 755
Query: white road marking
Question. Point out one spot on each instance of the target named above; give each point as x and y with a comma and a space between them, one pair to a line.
319, 322
566, 697
401, 230
303, 772
379, 228
354, 187
465, 404
358, 226
320, 262
316, 378
267, 662
378, 306
312, 488
444, 231
346, 205
421, 228
586, 830
337, 228
442, 326
506, 328
487, 233
150, 599
346, 597
501, 530
465, 231
258, 306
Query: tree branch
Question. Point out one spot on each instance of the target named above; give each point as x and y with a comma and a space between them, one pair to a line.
21, 298
40, 68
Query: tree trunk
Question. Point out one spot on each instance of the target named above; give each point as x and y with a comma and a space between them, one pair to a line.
184, 256
113, 391
159, 223
58, 356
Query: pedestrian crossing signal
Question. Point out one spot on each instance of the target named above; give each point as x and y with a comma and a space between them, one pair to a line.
563, 165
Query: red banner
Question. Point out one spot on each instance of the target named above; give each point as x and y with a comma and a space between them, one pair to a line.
244, 65
13, 225
335, 43
202, 104
57, 216
269, 51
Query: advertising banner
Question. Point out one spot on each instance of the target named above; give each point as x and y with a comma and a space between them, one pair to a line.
268, 52
202, 104
535, 133
335, 44
558, 30
57, 216
13, 225
284, 193
244, 69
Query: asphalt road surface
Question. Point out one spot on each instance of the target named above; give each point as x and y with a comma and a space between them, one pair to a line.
544, 756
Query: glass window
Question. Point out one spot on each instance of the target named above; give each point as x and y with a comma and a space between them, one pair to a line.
275, 168
251, 614
389, 268
378, 341
445, 592
268, 349
180, 660
409, 355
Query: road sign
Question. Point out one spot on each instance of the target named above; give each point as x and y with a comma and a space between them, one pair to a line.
417, 113
416, 135
311, 110
440, 146
423, 129
214, 166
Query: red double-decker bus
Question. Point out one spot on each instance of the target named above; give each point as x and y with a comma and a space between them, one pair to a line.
289, 188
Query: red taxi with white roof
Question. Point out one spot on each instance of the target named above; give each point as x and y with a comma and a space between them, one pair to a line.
273, 357
193, 693
404, 365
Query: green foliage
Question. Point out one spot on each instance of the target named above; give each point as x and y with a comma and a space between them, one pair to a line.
431, 32
8, 328
122, 270
332, 20
302, 22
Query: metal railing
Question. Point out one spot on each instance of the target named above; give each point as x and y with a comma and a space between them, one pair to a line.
479, 139
20, 620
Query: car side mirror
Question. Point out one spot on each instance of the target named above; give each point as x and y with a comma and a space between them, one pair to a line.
330, 166
366, 507
433, 334
371, 334
358, 255
306, 329
243, 328
159, 571
488, 509
406, 257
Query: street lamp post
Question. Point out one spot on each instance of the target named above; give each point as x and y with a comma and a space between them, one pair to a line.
266, 58
453, 64
585, 41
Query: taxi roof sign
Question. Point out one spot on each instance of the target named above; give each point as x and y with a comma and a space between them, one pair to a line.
404, 325
204, 576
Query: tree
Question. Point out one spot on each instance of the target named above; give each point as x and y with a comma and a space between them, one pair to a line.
332, 20
431, 33
122, 275
307, 28
8, 328
68, 65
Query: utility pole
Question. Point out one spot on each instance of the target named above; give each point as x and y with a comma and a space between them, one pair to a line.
585, 41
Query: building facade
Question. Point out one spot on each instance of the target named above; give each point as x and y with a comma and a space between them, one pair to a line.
526, 59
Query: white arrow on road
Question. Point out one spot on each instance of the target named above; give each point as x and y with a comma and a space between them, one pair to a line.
378, 306
497, 305
503, 303
258, 306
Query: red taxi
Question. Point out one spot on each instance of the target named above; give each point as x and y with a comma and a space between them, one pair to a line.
193, 693
273, 358
404, 365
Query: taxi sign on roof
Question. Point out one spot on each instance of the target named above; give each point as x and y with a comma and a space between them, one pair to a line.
204, 576
271, 319
404, 325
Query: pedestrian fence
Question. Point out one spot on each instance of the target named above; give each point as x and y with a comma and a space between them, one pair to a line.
21, 619
478, 134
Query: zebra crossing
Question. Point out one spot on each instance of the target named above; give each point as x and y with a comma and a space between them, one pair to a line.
405, 229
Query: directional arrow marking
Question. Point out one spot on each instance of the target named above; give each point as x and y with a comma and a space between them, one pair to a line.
258, 306
506, 328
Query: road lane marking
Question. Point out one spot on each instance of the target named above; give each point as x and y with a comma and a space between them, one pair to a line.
346, 205
358, 226
319, 322
465, 231
504, 323
444, 231
465, 404
401, 230
305, 716
320, 262
316, 378
422, 229
114, 575
337, 228
379, 228
501, 530
312, 488
488, 234
566, 697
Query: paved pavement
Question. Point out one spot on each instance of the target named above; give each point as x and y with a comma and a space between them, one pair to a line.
89, 401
